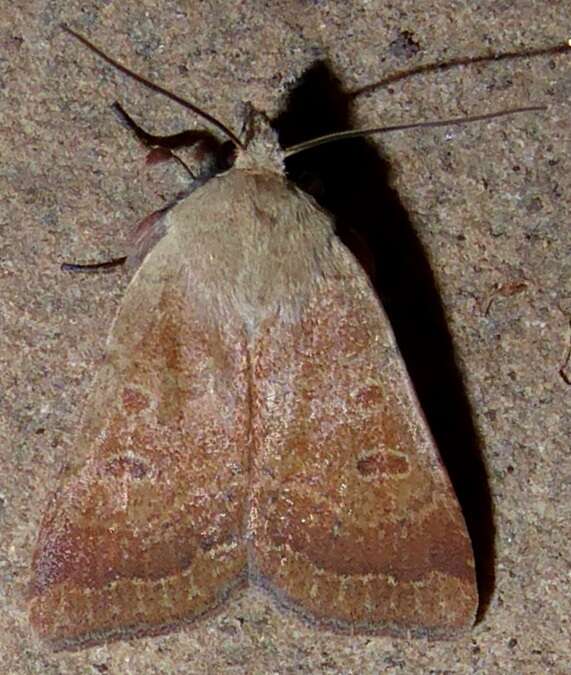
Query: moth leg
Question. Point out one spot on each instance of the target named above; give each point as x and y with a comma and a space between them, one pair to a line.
151, 228
209, 148
107, 266
182, 139
146, 234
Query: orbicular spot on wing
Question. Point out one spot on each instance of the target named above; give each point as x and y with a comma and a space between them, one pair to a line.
134, 400
370, 396
134, 447
381, 464
127, 466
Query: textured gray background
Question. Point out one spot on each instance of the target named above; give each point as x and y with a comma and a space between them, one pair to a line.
489, 205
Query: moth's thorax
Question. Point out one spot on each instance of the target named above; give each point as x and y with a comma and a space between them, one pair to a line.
248, 244
261, 152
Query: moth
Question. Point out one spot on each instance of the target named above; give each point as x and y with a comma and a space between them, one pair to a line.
253, 423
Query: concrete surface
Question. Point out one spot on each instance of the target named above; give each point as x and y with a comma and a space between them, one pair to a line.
470, 252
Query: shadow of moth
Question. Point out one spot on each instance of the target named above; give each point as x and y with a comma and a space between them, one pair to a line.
253, 423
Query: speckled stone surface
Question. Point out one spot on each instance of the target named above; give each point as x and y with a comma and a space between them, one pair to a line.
485, 208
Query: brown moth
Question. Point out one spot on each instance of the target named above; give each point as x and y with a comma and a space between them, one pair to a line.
253, 423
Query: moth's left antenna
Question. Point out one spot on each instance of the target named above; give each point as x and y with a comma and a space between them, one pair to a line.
152, 85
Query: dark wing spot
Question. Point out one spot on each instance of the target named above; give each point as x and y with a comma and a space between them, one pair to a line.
134, 401
383, 464
371, 396
126, 465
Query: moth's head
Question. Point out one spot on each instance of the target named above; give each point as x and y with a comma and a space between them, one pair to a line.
260, 150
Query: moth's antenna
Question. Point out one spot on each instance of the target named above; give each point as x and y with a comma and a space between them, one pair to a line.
455, 63
151, 85
355, 133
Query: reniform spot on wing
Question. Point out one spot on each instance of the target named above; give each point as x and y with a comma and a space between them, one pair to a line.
381, 464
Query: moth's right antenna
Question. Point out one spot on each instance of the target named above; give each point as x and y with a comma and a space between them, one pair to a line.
355, 133
156, 87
